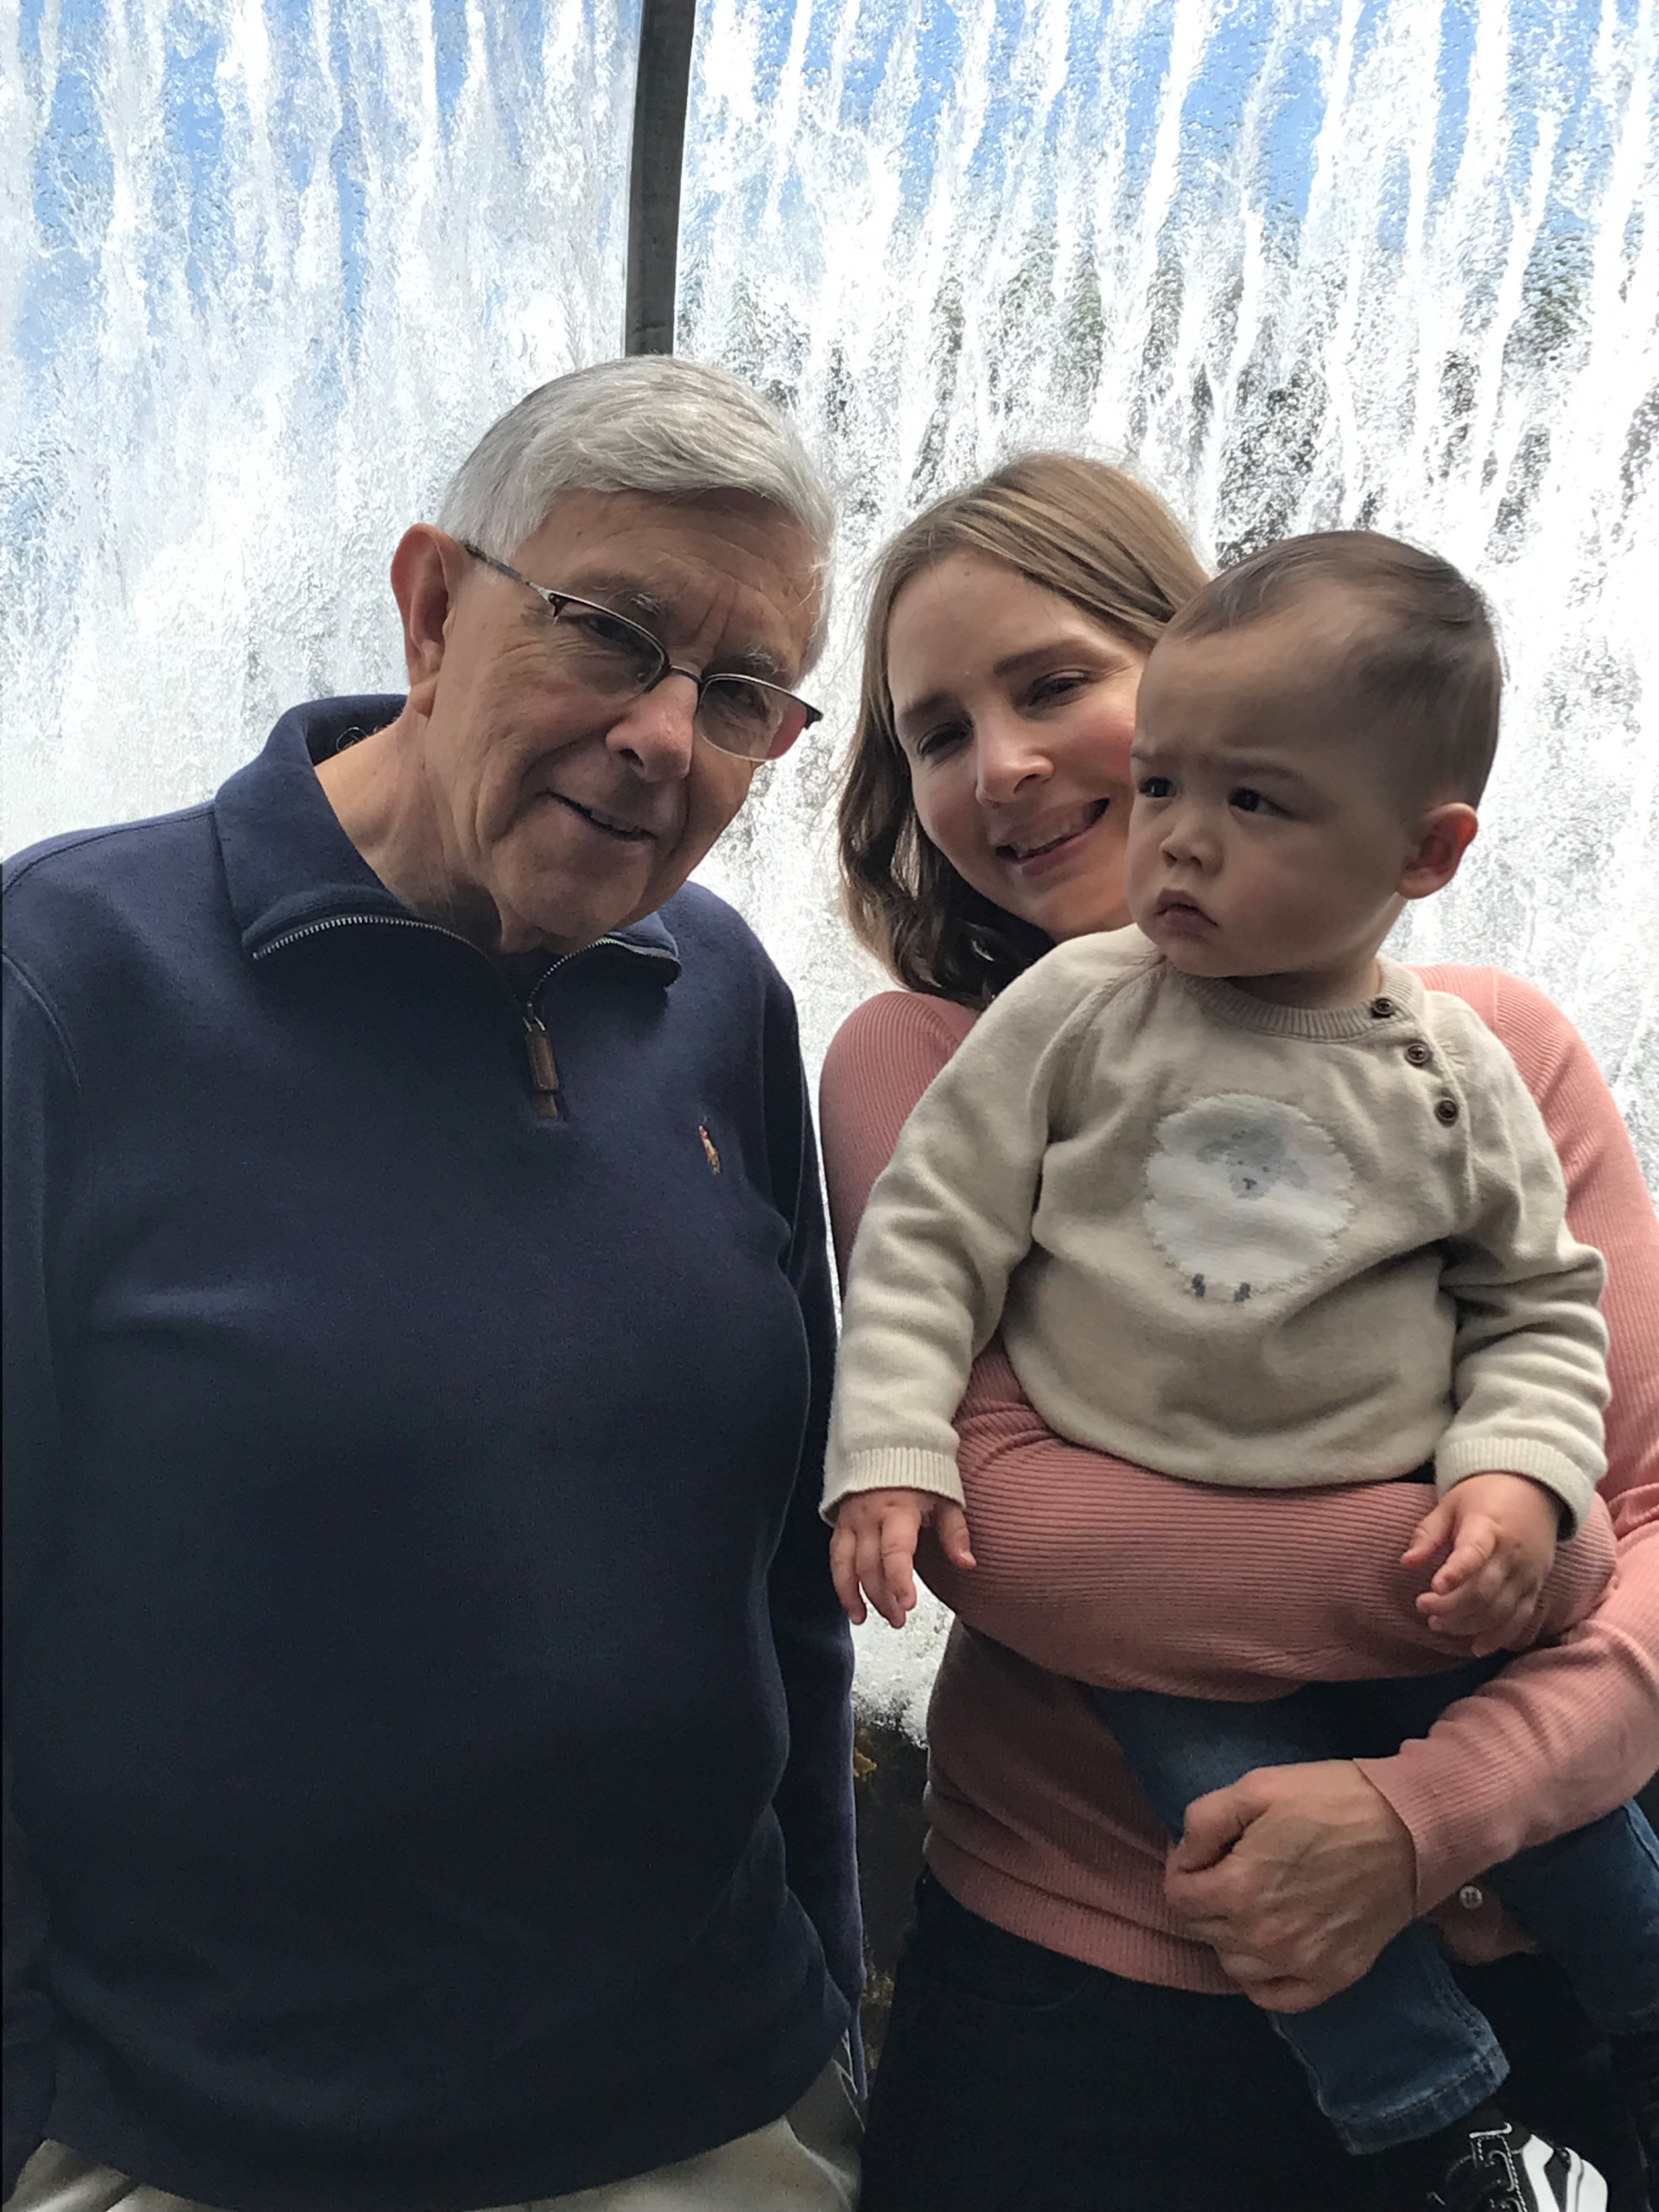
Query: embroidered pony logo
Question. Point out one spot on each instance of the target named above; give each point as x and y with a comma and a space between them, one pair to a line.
709, 1152
1245, 1194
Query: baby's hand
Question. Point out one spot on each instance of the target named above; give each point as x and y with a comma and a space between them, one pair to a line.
875, 1543
1498, 1534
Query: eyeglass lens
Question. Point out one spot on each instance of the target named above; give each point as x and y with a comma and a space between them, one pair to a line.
615, 661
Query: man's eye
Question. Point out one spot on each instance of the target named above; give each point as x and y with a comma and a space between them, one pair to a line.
1155, 787
596, 629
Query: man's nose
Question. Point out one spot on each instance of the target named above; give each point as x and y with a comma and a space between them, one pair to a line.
1008, 753
657, 736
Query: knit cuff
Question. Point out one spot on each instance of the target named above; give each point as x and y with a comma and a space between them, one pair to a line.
1518, 1455
1450, 1830
896, 1467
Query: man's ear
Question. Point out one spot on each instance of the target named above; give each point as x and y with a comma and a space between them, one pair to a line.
423, 571
1444, 835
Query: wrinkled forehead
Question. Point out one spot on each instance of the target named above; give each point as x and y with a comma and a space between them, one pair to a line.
728, 573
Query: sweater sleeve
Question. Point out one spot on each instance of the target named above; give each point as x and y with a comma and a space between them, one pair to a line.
1530, 1354
1253, 1599
39, 1099
945, 1225
813, 1798
1570, 1730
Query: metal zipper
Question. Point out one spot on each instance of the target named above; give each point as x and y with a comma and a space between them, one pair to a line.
538, 1045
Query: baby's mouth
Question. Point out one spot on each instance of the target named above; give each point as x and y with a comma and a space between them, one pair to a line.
1054, 836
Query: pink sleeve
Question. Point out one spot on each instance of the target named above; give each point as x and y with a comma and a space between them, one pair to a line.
1251, 1600
1565, 1733
882, 1059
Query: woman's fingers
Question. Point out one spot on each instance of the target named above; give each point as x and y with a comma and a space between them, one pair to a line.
1320, 1873
1214, 1824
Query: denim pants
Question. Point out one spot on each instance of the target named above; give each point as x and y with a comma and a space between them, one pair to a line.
1018, 2079
1403, 2052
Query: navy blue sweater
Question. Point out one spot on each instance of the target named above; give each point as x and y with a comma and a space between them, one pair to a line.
426, 1702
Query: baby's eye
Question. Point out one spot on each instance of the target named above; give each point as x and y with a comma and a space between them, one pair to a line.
1155, 787
1250, 802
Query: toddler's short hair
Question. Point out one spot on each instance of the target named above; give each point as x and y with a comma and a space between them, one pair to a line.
1425, 660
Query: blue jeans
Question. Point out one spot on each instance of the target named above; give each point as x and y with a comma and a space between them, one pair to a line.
1403, 2052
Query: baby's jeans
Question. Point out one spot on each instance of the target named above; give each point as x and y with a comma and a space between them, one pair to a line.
1403, 2053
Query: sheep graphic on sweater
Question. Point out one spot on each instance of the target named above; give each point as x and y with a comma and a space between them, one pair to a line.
1245, 1194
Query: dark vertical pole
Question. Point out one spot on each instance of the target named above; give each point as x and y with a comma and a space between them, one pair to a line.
666, 29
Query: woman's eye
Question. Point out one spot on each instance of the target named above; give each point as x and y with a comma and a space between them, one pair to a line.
1155, 787
1250, 802
1059, 685
935, 742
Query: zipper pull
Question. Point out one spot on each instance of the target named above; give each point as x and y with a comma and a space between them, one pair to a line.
543, 1069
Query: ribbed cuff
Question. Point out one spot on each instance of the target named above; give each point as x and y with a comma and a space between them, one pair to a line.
1518, 1455
894, 1467
1450, 1831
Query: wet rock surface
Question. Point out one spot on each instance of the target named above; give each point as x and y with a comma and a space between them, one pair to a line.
891, 1771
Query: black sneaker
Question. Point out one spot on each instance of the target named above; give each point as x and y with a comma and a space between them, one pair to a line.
1510, 2169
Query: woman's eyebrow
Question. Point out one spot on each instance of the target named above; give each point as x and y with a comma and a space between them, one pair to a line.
1031, 656
1010, 664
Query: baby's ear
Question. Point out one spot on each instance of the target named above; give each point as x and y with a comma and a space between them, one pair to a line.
1444, 835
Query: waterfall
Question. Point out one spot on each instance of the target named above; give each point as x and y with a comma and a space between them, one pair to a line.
267, 267
1308, 265
266, 270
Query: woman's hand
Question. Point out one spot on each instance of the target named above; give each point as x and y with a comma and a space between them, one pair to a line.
1296, 1876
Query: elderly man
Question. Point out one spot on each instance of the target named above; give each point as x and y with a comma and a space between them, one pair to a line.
427, 1709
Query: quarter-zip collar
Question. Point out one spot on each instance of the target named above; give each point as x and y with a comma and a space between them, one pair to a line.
291, 871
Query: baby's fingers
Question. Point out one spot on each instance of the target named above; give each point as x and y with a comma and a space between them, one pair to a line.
1475, 1543
843, 1568
898, 1556
1431, 1535
951, 1528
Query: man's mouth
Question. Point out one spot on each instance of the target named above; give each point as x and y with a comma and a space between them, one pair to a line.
614, 825
1050, 835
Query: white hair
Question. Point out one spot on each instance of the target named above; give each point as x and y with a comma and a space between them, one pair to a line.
653, 422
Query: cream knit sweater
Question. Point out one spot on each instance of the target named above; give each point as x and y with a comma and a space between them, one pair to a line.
1240, 1242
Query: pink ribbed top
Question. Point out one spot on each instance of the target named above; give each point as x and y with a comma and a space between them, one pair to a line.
1090, 1568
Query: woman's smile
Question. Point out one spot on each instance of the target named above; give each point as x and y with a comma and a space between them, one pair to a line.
1016, 710
1051, 840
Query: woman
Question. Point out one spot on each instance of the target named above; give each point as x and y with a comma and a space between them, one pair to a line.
1064, 2033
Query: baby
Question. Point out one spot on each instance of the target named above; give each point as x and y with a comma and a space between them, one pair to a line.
1252, 1206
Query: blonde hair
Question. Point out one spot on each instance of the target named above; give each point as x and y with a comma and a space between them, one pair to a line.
1078, 527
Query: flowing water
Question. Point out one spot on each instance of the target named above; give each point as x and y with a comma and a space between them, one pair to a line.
267, 266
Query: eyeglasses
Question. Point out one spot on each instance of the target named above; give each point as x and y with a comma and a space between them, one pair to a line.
618, 662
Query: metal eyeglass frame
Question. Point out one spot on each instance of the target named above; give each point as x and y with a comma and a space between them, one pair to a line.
558, 600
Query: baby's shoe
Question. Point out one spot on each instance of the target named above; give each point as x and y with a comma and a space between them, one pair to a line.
1501, 2167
